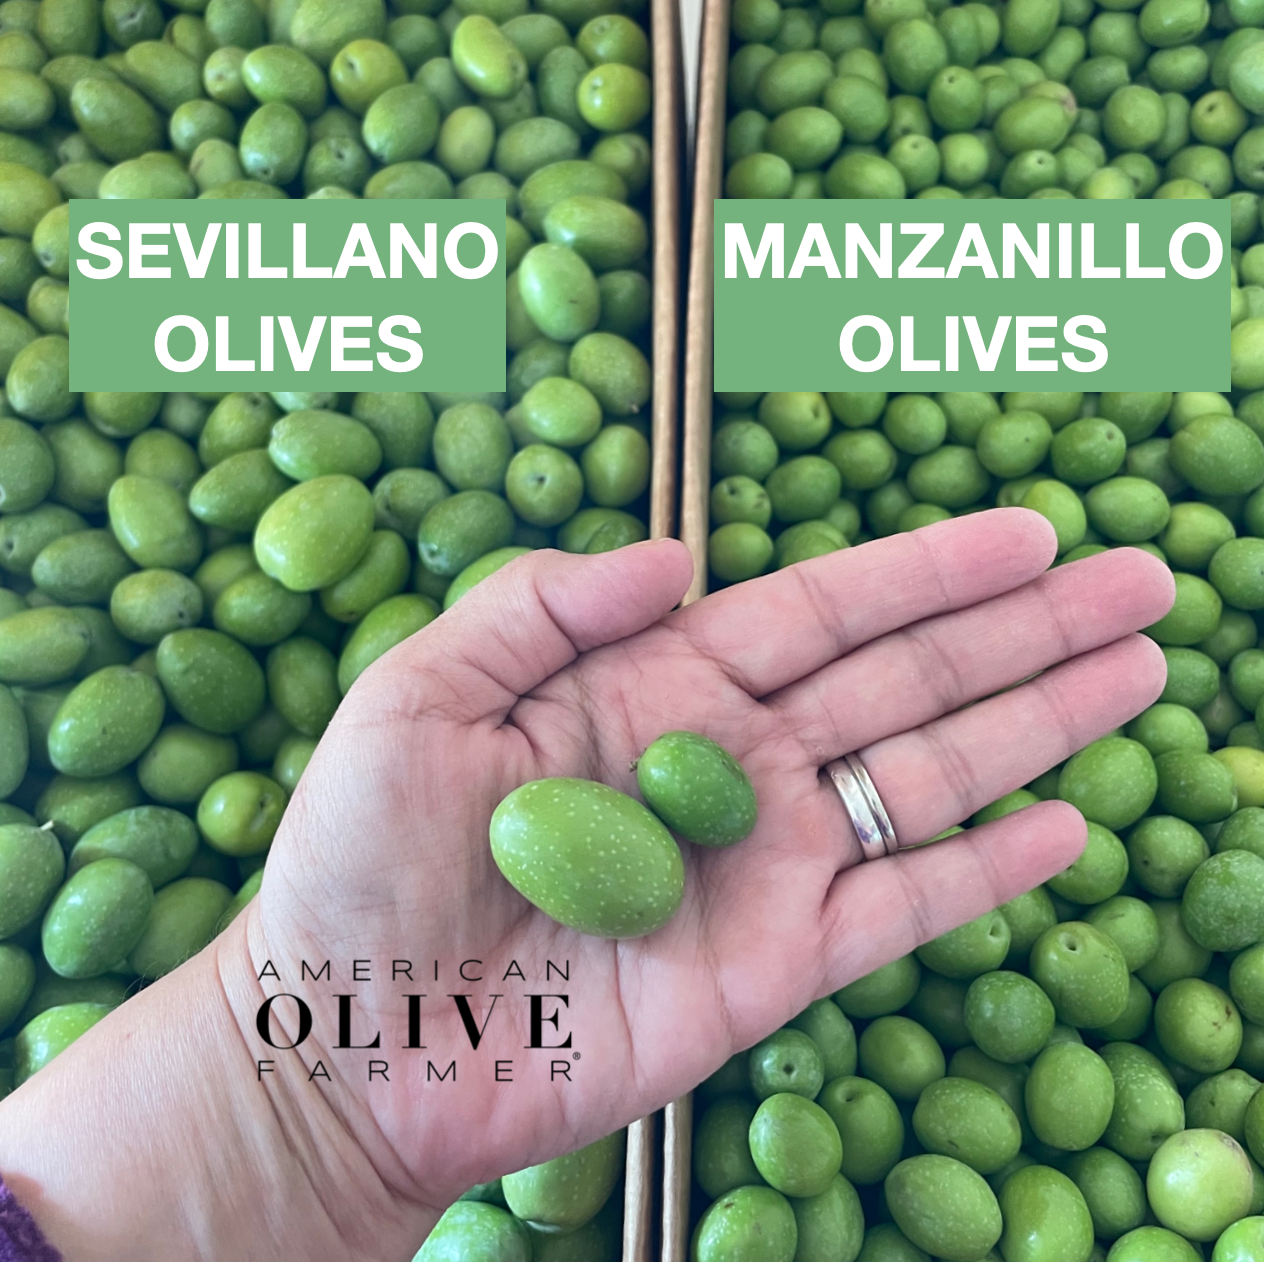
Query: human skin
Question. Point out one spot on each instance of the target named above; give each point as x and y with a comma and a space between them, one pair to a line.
155, 1127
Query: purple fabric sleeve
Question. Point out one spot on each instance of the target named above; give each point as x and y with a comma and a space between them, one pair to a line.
20, 1239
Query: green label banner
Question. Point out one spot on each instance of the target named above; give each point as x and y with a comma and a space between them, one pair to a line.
972, 295
288, 295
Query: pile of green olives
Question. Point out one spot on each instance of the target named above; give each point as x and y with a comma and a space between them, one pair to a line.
1039, 98
800, 473
1026, 98
1075, 1076
189, 583
565, 1210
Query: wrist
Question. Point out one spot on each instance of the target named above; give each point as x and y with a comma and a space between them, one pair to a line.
155, 1127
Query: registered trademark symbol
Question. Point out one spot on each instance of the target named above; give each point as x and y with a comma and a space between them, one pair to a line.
576, 1054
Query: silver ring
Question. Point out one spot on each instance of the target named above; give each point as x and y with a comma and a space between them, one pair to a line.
864, 807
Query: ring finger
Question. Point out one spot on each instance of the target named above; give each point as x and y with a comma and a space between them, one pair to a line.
939, 775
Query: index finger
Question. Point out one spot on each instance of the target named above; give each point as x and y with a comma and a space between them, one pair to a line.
770, 631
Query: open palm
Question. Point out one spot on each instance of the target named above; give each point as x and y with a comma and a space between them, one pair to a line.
570, 666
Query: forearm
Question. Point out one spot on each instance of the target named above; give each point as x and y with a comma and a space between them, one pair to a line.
151, 1139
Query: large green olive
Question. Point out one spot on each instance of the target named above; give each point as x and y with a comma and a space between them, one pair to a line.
106, 722
942, 1205
550, 840
315, 532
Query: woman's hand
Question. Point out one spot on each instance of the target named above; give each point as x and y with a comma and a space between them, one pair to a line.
567, 666
571, 666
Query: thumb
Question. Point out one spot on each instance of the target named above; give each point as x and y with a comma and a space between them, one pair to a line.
526, 622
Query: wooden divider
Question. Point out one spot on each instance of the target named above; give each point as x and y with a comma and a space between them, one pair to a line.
640, 1234
695, 484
